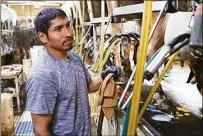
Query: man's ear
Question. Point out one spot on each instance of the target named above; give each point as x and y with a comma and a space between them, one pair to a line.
42, 37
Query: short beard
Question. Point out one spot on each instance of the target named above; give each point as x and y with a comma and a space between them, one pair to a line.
71, 47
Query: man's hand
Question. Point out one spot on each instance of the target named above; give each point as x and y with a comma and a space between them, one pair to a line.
112, 69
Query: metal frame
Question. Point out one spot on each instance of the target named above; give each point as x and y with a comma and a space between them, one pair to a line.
137, 8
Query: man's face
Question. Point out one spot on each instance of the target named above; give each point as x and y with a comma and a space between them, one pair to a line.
60, 35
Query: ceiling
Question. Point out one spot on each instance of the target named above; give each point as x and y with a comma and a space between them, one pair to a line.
33, 2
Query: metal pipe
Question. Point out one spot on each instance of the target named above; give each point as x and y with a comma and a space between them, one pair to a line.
147, 129
126, 88
90, 10
95, 42
140, 68
157, 22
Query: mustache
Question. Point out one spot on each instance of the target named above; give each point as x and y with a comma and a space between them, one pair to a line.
68, 38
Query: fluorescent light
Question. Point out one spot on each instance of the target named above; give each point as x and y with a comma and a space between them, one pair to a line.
46, 2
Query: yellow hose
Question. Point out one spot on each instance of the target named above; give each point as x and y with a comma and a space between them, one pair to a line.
140, 68
96, 64
101, 51
94, 97
76, 28
154, 88
111, 47
82, 34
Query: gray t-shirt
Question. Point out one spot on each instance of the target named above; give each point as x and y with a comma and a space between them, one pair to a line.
60, 87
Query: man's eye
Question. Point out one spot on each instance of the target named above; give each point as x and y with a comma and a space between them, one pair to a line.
57, 29
68, 25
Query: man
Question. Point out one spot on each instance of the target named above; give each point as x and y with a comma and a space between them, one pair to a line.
59, 83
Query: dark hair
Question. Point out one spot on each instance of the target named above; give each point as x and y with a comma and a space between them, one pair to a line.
43, 18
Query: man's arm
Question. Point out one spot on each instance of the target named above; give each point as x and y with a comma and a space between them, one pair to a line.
95, 83
41, 90
41, 123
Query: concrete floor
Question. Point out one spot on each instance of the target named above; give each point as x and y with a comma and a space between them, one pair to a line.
93, 128
25, 117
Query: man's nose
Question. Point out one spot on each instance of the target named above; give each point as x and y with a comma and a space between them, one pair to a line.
68, 32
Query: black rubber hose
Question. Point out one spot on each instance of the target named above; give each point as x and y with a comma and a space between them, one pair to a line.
100, 123
178, 39
184, 43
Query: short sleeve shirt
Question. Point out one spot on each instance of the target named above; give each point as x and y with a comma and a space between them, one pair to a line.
60, 87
